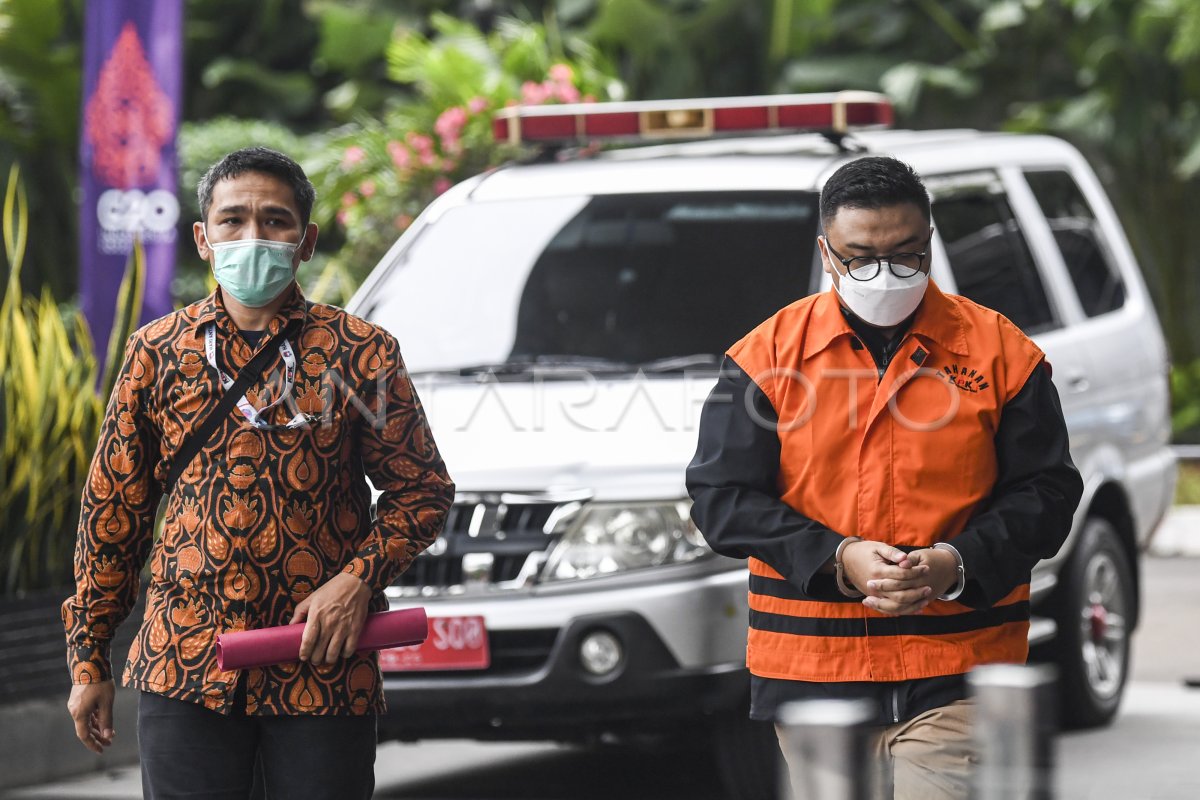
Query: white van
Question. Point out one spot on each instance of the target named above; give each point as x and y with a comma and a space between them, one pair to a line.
564, 319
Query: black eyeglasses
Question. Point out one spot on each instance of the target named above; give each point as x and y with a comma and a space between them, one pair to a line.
865, 268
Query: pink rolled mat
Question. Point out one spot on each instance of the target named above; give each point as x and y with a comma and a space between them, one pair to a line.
265, 646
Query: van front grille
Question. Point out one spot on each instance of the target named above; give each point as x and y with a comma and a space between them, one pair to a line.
489, 540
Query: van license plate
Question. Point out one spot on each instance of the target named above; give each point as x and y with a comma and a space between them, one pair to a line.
454, 643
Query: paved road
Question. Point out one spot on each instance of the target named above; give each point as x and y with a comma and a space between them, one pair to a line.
1151, 752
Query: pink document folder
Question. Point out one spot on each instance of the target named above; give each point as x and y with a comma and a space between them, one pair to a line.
265, 646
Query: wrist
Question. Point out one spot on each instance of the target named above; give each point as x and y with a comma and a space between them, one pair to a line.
362, 589
358, 569
839, 571
955, 589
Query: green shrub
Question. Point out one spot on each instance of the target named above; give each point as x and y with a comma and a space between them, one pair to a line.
375, 175
50, 412
1185, 402
1187, 490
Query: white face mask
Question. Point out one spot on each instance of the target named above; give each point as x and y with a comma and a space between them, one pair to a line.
885, 300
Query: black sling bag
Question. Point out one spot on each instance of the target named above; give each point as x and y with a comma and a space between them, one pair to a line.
193, 444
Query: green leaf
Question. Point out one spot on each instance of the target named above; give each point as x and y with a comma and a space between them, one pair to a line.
524, 50
575, 11
639, 25
129, 308
352, 38
1189, 166
828, 73
904, 83
1002, 16
30, 25
407, 51
1087, 116
1084, 10
49, 414
447, 71
1185, 44
292, 93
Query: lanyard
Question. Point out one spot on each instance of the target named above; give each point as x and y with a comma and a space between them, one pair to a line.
248, 411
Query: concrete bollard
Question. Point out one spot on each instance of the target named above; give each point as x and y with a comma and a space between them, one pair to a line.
1014, 731
824, 744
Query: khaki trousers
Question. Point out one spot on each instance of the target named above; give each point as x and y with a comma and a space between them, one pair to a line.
929, 757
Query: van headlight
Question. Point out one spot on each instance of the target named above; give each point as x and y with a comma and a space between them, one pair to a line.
605, 538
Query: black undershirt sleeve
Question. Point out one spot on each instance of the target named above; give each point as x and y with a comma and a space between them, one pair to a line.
1037, 490
734, 484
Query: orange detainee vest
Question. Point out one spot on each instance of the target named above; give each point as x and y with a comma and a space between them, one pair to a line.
906, 459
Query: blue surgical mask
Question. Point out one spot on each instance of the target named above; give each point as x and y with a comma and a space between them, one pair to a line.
253, 271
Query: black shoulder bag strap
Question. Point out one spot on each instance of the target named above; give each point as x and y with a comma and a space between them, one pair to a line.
200, 436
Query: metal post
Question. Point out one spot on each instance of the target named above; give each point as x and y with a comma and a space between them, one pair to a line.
824, 744
1014, 731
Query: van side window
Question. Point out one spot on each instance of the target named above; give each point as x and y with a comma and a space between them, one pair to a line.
1075, 229
990, 259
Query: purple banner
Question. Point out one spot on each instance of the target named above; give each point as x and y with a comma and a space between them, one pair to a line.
133, 54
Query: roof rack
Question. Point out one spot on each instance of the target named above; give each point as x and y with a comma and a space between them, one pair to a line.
832, 114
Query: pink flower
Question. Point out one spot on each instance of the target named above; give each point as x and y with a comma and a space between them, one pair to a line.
367, 188
567, 93
450, 122
449, 127
403, 221
349, 200
343, 218
400, 154
561, 73
353, 155
419, 142
427, 158
441, 185
534, 94
477, 104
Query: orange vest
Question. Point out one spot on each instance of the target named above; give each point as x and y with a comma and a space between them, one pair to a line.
906, 459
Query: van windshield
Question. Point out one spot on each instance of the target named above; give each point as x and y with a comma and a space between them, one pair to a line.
623, 280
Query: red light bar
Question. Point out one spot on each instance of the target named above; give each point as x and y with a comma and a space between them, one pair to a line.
834, 112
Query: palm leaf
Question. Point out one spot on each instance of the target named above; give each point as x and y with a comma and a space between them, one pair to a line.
129, 307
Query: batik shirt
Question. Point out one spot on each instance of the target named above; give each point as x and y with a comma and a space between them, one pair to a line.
260, 517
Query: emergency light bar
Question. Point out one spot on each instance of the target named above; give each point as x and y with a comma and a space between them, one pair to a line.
834, 112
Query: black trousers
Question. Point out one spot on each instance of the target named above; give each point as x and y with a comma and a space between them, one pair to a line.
188, 751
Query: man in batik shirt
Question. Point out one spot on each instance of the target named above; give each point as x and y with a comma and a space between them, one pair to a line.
269, 524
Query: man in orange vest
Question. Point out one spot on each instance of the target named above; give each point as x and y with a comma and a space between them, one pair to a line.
892, 461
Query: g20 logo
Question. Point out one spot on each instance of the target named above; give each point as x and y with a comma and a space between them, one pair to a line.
134, 211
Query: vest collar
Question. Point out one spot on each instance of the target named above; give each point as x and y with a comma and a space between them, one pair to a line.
940, 321
937, 320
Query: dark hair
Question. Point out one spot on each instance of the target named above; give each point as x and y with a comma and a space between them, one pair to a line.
873, 182
264, 160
